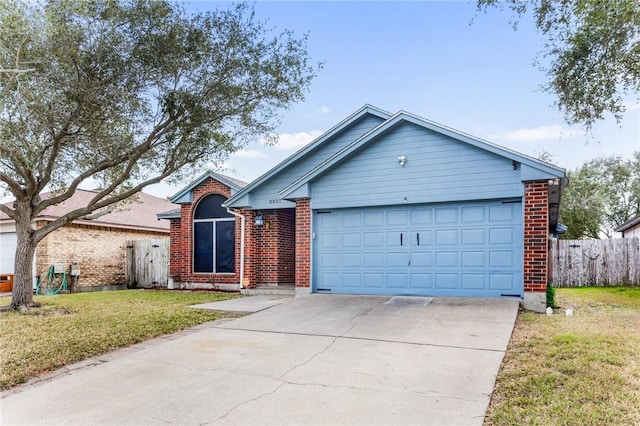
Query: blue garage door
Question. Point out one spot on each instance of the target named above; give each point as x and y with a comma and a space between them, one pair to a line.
462, 249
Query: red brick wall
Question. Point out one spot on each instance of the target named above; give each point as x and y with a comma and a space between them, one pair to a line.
287, 247
275, 248
303, 243
181, 256
536, 233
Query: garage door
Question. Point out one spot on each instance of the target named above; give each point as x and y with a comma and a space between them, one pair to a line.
8, 242
462, 249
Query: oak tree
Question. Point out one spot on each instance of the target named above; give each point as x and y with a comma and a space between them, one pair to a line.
591, 52
125, 94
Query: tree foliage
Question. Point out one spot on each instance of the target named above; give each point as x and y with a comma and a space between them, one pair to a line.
602, 194
127, 93
593, 51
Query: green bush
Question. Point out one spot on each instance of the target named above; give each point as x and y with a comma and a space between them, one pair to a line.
551, 296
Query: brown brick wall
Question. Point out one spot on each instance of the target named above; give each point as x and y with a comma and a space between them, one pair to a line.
536, 234
303, 243
99, 251
275, 248
180, 258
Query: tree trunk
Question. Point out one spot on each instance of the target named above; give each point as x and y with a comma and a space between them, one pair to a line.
22, 297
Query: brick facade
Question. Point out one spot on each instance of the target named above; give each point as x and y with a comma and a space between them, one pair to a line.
269, 249
99, 251
303, 243
275, 253
180, 253
536, 234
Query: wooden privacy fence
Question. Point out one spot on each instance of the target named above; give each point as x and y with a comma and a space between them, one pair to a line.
147, 263
610, 262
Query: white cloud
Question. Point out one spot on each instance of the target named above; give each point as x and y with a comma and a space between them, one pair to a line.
249, 153
534, 134
291, 141
324, 109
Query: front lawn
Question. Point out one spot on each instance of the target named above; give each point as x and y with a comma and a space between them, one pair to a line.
578, 370
73, 327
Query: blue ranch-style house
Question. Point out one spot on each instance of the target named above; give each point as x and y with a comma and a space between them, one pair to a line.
382, 203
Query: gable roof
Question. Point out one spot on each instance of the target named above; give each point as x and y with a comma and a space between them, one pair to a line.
405, 117
139, 214
338, 128
628, 224
184, 195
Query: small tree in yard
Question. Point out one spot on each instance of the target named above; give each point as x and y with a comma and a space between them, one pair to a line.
125, 94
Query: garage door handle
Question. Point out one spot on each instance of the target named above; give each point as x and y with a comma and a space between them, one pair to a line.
418, 238
401, 238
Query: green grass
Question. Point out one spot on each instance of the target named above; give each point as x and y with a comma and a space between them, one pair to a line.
579, 370
71, 328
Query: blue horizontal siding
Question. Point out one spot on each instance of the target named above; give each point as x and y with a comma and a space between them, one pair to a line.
438, 169
265, 195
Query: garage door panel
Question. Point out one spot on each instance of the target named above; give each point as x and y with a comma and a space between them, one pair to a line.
499, 236
474, 236
420, 280
328, 221
421, 238
351, 260
328, 279
397, 259
373, 260
374, 218
352, 220
502, 259
373, 239
351, 240
330, 241
447, 281
397, 281
330, 260
463, 249
446, 237
397, 218
421, 216
447, 259
396, 239
373, 280
446, 215
501, 281
473, 215
422, 259
501, 213
473, 281
352, 280
473, 259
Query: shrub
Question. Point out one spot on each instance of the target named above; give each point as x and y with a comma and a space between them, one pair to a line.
551, 296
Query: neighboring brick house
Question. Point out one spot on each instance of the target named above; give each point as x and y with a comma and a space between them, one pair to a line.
98, 246
379, 204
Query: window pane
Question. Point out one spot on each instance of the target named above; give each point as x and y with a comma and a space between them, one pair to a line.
203, 247
225, 246
210, 207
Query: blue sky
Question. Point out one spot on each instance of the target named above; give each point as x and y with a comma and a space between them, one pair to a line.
440, 60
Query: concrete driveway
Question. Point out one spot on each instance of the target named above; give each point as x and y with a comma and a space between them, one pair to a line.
321, 359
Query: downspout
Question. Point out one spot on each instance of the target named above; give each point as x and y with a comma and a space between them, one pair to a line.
242, 220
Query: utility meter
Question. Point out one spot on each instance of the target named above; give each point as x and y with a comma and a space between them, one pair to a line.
75, 269
58, 268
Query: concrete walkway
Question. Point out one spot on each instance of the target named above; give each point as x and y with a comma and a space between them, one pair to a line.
321, 359
245, 304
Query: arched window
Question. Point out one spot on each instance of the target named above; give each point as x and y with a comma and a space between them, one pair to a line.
214, 237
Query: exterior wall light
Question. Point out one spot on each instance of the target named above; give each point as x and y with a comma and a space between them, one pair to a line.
259, 220
402, 160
